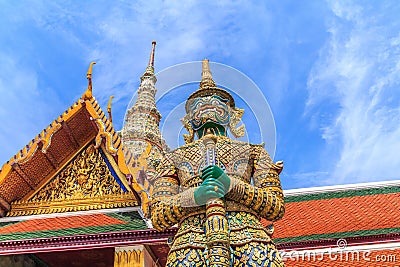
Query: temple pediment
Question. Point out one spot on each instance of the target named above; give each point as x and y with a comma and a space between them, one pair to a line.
87, 182
75, 164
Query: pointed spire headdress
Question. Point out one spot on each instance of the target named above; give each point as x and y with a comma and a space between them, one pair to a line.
208, 87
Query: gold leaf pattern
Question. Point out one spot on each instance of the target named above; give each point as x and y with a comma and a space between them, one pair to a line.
86, 176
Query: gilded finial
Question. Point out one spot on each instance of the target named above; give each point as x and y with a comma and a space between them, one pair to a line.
109, 108
206, 76
88, 94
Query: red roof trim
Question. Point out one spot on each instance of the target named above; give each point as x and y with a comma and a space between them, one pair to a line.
85, 241
151, 236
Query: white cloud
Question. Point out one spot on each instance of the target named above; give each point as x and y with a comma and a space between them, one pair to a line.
22, 108
27, 104
358, 76
185, 31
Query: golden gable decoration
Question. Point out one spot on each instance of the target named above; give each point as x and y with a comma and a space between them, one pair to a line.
85, 183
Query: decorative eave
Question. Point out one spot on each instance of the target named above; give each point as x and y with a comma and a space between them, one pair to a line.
92, 241
153, 237
82, 123
23, 208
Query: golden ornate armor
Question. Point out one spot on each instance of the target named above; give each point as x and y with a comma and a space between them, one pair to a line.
173, 201
254, 189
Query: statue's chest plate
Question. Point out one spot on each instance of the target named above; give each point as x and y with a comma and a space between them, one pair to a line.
234, 157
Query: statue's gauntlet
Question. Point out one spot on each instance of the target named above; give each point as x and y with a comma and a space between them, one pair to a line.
168, 205
265, 197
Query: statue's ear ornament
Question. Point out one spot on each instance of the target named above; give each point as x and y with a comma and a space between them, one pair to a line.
236, 116
186, 123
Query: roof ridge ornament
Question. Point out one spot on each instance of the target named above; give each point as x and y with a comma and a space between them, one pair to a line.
109, 108
88, 93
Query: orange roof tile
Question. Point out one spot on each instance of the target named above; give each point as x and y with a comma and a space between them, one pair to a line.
60, 223
338, 215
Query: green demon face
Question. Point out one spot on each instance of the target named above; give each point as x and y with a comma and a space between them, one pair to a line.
210, 109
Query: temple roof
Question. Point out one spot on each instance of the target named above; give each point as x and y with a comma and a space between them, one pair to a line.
356, 213
70, 189
74, 231
71, 225
351, 225
82, 125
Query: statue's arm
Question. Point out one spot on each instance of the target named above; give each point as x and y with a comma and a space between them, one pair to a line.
266, 196
168, 204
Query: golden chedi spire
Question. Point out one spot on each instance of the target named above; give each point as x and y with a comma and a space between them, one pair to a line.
141, 136
142, 120
147, 89
89, 94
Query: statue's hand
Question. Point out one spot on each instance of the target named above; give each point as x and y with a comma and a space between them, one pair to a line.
209, 189
218, 174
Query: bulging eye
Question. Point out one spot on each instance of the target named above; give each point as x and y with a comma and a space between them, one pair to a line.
199, 103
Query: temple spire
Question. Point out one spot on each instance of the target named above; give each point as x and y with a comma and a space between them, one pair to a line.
88, 93
206, 76
141, 135
150, 67
153, 49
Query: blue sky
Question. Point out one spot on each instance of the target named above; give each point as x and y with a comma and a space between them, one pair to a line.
330, 71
